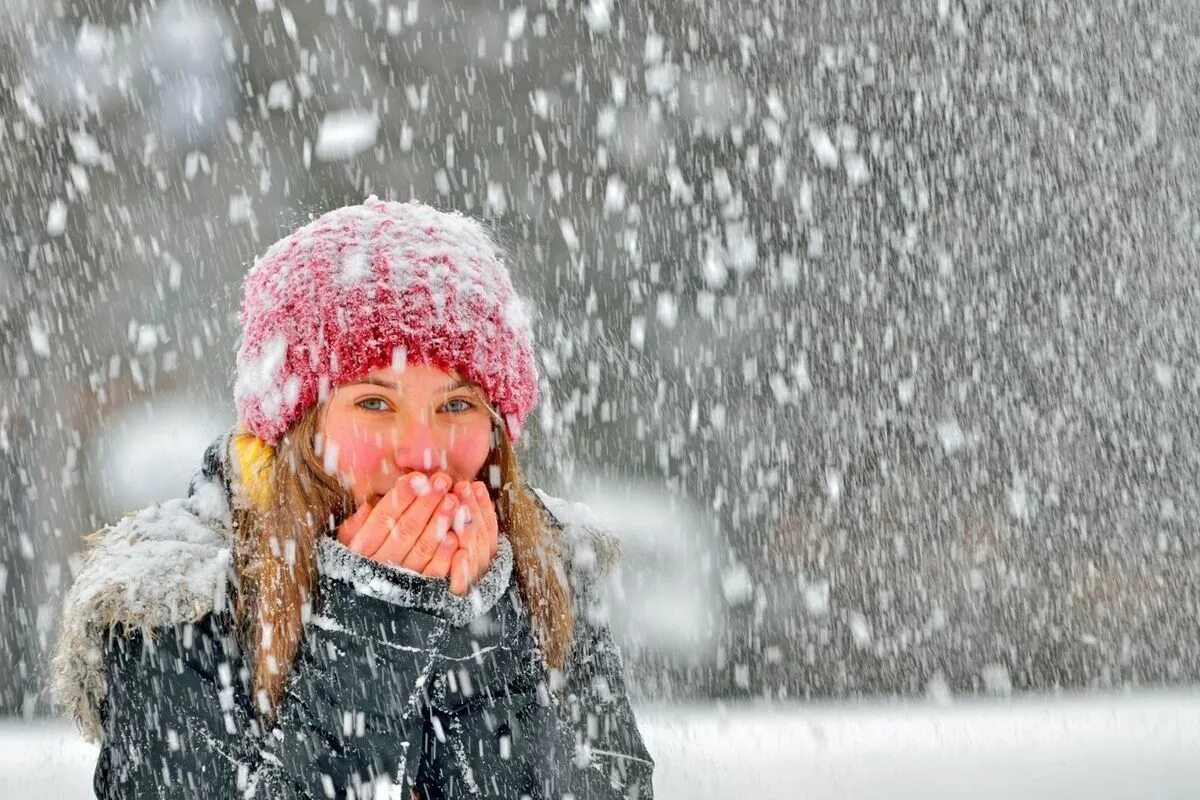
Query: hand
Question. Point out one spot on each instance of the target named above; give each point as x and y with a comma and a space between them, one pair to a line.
478, 533
408, 526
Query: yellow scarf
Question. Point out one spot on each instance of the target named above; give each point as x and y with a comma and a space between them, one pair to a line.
254, 459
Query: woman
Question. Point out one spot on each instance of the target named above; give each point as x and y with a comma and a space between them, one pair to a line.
359, 596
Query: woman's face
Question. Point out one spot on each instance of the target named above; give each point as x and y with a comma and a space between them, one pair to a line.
397, 420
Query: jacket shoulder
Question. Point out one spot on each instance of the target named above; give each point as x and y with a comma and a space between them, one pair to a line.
592, 555
593, 552
200, 647
160, 566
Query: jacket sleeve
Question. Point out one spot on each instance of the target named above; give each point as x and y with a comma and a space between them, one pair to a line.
173, 722
179, 721
610, 758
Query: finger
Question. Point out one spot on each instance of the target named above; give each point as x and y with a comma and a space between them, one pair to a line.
353, 523
465, 516
422, 551
475, 540
439, 567
469, 539
460, 573
467, 536
409, 527
491, 522
388, 510
473, 536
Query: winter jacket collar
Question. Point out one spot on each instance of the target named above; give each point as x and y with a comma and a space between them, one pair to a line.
171, 563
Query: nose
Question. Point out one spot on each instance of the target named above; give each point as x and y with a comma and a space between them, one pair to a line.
416, 446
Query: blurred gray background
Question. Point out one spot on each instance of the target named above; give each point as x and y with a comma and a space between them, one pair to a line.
871, 327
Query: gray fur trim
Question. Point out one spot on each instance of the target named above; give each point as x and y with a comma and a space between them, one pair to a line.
164, 564
409, 589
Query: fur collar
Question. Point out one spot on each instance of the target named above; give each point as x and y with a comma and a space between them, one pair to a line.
171, 563
164, 564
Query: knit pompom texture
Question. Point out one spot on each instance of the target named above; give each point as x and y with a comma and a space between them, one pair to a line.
374, 285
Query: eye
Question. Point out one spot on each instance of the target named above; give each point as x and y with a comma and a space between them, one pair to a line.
362, 403
458, 405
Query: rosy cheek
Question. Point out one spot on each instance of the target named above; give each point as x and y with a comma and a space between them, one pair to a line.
469, 451
360, 455
357, 452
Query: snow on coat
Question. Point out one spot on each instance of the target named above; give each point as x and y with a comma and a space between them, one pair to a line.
398, 682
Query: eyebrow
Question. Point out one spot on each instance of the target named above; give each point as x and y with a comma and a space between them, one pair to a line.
395, 387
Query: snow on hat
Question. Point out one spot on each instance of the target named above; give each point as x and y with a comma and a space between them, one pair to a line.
367, 286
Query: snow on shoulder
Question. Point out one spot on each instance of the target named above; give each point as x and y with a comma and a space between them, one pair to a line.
165, 564
594, 551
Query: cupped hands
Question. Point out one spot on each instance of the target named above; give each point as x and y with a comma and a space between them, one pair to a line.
432, 525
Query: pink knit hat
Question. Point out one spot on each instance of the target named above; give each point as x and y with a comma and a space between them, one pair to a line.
363, 286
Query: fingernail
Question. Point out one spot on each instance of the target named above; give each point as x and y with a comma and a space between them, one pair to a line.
480, 490
420, 484
461, 518
449, 503
440, 483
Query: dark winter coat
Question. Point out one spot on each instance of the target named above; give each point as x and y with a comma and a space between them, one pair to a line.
398, 683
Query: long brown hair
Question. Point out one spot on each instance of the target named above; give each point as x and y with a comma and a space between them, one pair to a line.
289, 501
